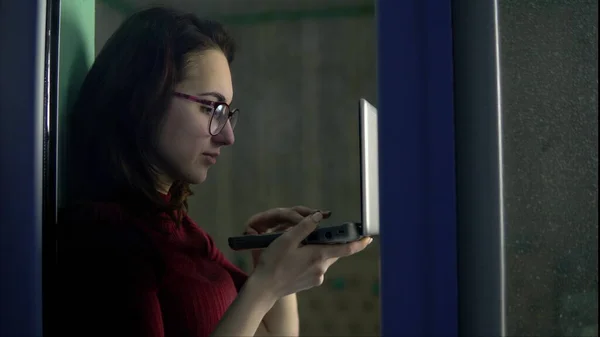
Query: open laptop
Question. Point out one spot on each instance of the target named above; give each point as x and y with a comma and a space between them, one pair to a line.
349, 231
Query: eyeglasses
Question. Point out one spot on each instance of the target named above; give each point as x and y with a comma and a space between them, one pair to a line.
220, 113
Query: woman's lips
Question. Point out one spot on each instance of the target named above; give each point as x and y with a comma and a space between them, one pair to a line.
211, 157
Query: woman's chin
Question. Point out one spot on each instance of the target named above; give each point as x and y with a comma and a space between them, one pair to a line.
197, 176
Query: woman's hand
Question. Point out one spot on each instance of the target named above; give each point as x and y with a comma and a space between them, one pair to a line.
287, 267
277, 220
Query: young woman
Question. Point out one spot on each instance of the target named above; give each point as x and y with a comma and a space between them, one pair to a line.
152, 117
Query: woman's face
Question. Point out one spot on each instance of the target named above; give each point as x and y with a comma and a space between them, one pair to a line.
185, 141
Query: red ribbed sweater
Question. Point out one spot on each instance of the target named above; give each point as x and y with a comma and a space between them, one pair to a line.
121, 275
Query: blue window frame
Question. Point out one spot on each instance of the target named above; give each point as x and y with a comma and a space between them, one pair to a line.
417, 173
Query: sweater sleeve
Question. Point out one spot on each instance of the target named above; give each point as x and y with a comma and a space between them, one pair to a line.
108, 282
239, 277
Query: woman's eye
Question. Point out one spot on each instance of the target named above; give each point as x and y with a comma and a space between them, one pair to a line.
206, 109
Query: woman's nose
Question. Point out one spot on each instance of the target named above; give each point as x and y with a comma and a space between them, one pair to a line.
226, 136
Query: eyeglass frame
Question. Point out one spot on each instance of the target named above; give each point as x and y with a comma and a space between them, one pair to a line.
214, 105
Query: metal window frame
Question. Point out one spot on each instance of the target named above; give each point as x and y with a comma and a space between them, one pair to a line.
482, 308
22, 65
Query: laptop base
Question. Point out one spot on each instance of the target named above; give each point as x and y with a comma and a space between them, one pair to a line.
344, 233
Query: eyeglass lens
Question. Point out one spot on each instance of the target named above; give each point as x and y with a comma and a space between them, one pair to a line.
220, 117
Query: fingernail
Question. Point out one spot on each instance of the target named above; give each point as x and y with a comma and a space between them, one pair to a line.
370, 240
317, 216
326, 212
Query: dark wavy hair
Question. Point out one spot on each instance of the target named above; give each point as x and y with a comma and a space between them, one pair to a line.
115, 122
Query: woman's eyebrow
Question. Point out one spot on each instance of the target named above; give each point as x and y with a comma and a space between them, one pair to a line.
214, 94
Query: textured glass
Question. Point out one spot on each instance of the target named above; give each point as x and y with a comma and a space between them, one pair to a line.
549, 78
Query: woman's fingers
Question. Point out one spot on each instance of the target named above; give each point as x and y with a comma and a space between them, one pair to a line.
263, 221
326, 252
283, 218
303, 210
296, 234
306, 211
250, 231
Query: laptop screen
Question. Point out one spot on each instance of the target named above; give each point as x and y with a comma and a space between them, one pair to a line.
369, 168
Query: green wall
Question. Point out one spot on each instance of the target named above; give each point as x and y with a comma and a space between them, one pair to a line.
77, 30
367, 9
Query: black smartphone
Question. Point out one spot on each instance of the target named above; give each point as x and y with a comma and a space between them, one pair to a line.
344, 233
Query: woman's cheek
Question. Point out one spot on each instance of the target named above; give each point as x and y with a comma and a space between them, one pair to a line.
191, 136
186, 130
